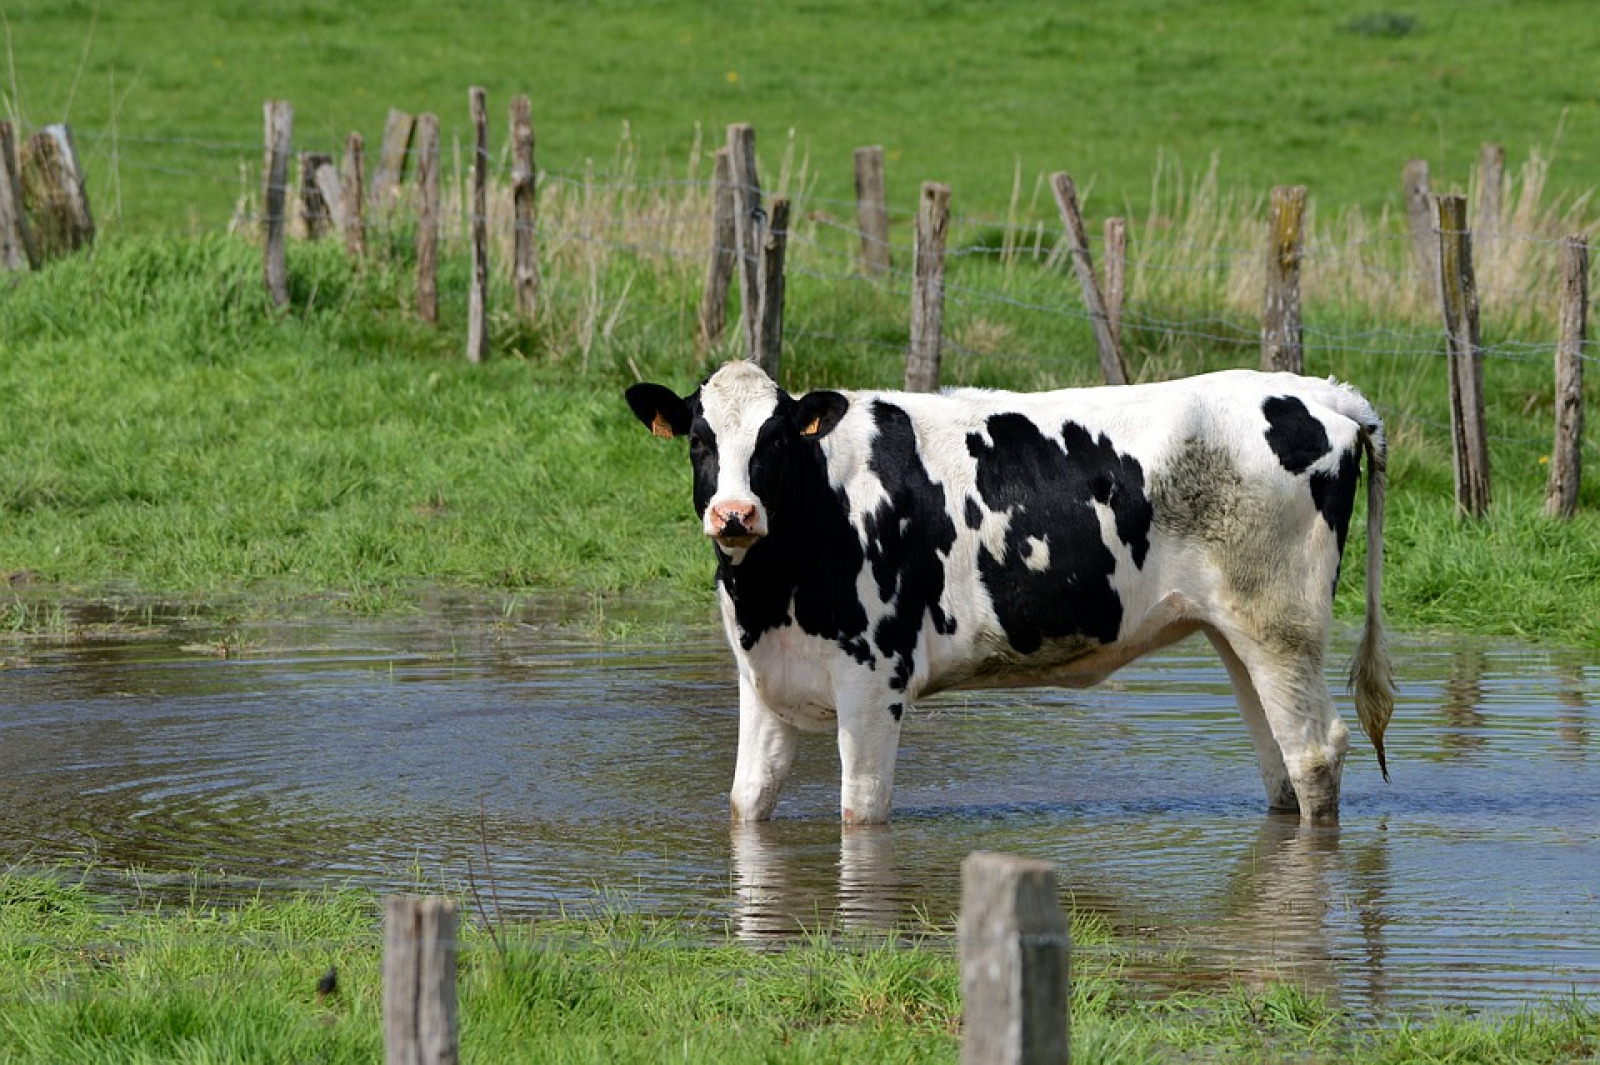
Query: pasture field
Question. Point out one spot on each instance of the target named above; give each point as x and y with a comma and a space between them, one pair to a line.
166, 94
83, 979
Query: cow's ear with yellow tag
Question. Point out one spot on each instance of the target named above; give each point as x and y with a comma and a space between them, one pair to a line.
816, 413
660, 409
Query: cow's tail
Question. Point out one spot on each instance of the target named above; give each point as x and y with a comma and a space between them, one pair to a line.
1372, 674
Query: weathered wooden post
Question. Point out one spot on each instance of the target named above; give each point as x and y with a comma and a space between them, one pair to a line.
927, 289
724, 252
428, 217
398, 131
419, 982
1116, 268
1566, 458
1111, 364
16, 242
1419, 213
769, 348
478, 292
1459, 299
352, 182
1015, 963
275, 197
1280, 315
872, 211
316, 207
524, 204
748, 222
53, 193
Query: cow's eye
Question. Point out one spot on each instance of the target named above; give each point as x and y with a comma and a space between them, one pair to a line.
699, 444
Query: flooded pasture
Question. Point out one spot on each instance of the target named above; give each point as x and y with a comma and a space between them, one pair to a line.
563, 770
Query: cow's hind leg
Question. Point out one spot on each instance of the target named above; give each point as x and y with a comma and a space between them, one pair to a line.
1274, 776
767, 746
1288, 681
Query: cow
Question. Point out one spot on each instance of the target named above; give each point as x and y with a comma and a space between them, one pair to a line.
876, 547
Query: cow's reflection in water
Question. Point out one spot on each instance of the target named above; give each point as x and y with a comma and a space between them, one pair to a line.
1297, 904
783, 889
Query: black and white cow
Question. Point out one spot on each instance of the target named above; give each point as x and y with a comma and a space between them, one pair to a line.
877, 547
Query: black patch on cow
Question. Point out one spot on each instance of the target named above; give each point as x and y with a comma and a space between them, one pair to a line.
1335, 497
897, 709
1047, 488
1294, 433
811, 555
908, 537
974, 514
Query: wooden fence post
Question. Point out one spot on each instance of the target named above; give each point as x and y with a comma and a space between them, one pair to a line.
872, 212
724, 252
1419, 212
275, 198
419, 982
1459, 299
927, 289
1111, 364
1566, 458
769, 349
1116, 268
478, 292
524, 202
428, 217
1015, 963
16, 242
352, 182
316, 207
398, 131
53, 196
748, 220
1280, 315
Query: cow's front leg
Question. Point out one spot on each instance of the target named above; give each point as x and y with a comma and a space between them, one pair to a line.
766, 752
869, 741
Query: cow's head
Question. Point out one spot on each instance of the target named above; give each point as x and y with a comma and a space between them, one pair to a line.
745, 435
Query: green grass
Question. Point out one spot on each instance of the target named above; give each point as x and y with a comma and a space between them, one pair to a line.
82, 979
167, 94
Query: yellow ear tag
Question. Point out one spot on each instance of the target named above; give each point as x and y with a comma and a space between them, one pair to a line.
660, 428
811, 430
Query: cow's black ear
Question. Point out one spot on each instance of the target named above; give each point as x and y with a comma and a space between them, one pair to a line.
659, 407
816, 413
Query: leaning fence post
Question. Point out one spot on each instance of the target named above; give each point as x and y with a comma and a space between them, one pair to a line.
524, 202
1280, 315
872, 211
1486, 210
748, 219
16, 243
927, 289
316, 206
478, 293
428, 217
1459, 299
1116, 268
419, 982
1566, 458
274, 198
398, 131
1015, 963
1111, 364
724, 252
769, 349
1419, 213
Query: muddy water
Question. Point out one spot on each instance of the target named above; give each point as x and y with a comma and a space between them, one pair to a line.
567, 771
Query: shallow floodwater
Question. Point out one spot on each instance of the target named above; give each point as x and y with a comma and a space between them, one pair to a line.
564, 771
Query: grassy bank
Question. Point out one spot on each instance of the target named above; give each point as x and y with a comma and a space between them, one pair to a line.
83, 979
1329, 94
164, 432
